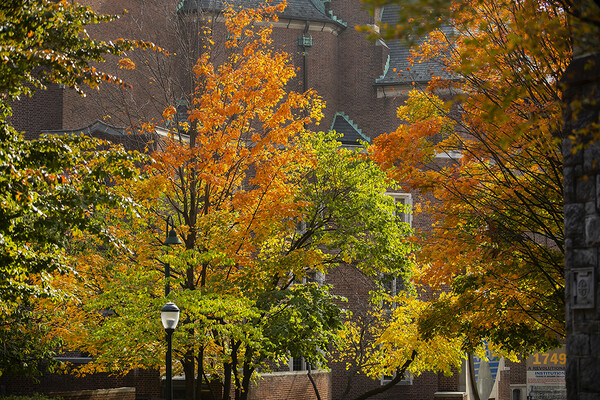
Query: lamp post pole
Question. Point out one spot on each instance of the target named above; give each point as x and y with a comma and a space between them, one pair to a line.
171, 239
169, 364
169, 316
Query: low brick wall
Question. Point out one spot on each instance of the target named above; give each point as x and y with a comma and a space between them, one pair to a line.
124, 393
291, 386
450, 396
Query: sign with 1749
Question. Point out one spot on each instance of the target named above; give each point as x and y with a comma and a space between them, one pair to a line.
546, 375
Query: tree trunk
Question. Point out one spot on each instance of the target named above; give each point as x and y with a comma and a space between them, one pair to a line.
399, 376
226, 380
234, 361
248, 371
351, 376
200, 374
472, 381
312, 381
190, 376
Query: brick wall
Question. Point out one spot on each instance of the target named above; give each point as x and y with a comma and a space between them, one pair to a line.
359, 64
146, 383
518, 371
341, 68
291, 386
41, 111
125, 393
504, 385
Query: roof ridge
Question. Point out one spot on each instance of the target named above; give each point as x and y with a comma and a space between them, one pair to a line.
300, 10
97, 125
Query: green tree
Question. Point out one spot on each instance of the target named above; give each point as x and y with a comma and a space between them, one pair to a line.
48, 187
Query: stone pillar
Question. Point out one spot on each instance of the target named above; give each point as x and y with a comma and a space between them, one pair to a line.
582, 227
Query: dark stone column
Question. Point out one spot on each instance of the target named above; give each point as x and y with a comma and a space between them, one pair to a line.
582, 226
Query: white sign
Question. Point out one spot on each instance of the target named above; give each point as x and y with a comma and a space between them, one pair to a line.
546, 375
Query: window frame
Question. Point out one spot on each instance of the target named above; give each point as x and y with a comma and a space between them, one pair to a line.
407, 380
303, 364
406, 200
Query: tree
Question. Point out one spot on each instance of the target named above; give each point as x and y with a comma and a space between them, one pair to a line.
44, 198
386, 341
496, 201
262, 204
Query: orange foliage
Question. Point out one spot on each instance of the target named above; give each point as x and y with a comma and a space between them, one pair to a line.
233, 182
494, 179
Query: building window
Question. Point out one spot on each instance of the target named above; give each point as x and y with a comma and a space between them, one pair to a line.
407, 380
403, 203
298, 364
392, 285
309, 277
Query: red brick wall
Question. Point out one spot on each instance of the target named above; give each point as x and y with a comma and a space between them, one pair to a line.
504, 385
125, 393
42, 111
147, 95
359, 64
341, 68
291, 386
518, 371
448, 383
146, 383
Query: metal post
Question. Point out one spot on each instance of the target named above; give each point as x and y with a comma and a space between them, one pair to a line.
168, 362
170, 239
167, 279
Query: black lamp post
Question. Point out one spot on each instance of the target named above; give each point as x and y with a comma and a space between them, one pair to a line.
171, 239
169, 315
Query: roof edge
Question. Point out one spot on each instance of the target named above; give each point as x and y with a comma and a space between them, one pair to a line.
352, 124
96, 126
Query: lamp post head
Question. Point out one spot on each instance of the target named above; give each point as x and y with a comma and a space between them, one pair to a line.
172, 238
169, 315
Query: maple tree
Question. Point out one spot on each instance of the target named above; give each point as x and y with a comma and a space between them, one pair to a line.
495, 176
262, 204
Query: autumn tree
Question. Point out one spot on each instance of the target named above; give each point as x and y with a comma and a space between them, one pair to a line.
495, 177
386, 341
261, 204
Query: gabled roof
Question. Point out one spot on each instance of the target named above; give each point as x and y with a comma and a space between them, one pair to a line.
99, 129
93, 128
299, 10
398, 70
351, 134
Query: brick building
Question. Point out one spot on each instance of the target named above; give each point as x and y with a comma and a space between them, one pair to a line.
362, 83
